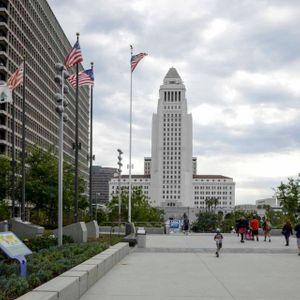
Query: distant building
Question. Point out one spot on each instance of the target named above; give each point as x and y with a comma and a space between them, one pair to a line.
100, 186
267, 201
170, 179
246, 207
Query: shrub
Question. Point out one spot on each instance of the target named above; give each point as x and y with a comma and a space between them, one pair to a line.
43, 265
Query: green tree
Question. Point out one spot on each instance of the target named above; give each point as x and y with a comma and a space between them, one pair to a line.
4, 173
206, 221
288, 194
42, 187
141, 210
4, 186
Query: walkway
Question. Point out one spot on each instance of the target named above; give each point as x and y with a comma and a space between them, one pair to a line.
184, 267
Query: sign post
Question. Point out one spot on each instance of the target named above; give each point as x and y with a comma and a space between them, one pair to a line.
15, 249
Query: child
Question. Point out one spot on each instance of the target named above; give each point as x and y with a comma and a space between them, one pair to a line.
218, 238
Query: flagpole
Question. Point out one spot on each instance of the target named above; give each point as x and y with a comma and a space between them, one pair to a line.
23, 142
130, 141
13, 162
91, 145
76, 140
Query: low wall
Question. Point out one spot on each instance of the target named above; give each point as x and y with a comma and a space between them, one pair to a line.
25, 229
77, 231
92, 230
72, 284
121, 230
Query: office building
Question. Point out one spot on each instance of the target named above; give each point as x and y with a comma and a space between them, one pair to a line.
100, 179
31, 27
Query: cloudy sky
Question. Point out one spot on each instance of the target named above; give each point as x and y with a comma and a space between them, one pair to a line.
240, 62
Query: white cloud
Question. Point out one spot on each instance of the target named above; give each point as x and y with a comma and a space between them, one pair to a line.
240, 64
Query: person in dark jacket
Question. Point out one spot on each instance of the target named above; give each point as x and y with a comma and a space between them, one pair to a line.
243, 226
297, 229
186, 224
287, 231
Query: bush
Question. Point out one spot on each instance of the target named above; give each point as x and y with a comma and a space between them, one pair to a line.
206, 222
45, 242
43, 265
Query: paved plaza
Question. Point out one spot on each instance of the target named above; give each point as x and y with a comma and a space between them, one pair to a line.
185, 267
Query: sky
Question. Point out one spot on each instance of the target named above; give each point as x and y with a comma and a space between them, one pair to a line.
240, 63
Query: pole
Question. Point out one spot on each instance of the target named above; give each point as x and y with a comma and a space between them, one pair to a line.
76, 141
91, 148
60, 167
23, 141
13, 161
119, 195
130, 142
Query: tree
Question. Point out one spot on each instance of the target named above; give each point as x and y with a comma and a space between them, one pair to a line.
4, 173
211, 203
206, 222
288, 195
4, 186
42, 187
141, 210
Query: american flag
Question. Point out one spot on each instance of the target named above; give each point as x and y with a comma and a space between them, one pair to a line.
74, 56
16, 78
135, 59
85, 77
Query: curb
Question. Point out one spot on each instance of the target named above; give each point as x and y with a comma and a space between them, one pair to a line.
72, 284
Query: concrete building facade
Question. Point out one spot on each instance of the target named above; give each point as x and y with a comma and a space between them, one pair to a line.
31, 27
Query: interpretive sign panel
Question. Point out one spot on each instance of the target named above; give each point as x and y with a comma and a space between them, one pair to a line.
12, 246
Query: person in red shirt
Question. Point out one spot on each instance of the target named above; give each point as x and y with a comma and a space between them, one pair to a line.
254, 226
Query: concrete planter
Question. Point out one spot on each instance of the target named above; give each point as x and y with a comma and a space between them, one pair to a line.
72, 284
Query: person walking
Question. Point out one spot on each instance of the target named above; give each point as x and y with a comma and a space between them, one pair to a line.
243, 226
297, 229
218, 238
186, 224
287, 231
267, 230
254, 226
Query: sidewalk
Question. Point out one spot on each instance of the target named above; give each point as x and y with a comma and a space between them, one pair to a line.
188, 271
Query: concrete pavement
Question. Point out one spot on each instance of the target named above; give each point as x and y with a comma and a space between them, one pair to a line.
185, 267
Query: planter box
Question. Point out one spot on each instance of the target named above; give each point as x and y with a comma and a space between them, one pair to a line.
72, 284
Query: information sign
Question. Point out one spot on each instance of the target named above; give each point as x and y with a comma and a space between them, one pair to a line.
14, 248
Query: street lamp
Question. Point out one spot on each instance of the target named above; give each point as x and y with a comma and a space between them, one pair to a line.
119, 181
60, 108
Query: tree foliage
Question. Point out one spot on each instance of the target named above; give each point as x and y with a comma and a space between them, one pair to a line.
42, 187
4, 173
288, 194
206, 222
141, 210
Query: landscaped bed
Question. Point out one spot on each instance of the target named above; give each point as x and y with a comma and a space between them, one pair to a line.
46, 262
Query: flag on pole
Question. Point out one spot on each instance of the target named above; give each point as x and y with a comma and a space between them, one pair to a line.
85, 77
16, 78
135, 59
74, 57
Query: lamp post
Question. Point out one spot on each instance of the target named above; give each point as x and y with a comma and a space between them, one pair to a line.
60, 108
119, 181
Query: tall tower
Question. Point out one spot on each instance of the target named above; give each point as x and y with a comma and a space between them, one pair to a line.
171, 166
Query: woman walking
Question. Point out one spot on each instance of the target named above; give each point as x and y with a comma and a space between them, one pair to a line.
287, 231
267, 229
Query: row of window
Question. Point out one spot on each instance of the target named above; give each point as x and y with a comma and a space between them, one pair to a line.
172, 96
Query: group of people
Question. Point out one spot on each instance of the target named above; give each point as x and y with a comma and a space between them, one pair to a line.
249, 229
